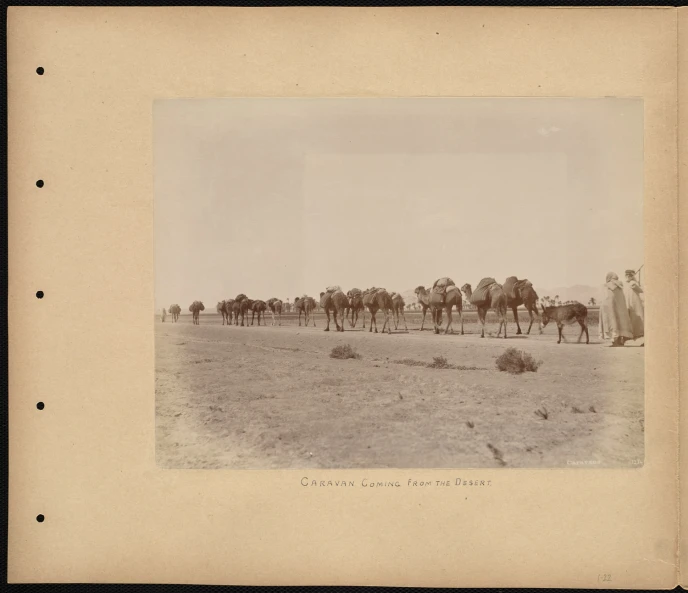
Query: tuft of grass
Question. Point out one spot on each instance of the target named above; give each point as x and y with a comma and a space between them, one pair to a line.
343, 352
470, 424
576, 410
497, 454
517, 361
410, 362
544, 414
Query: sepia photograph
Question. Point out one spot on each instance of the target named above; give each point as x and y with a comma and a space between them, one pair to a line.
399, 283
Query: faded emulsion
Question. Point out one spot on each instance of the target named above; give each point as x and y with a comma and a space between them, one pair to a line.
397, 285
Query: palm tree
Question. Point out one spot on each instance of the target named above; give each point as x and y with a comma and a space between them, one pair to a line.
592, 301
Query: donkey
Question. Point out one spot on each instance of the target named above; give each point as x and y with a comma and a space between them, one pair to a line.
567, 315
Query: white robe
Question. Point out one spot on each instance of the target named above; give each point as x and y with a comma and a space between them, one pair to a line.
614, 319
636, 309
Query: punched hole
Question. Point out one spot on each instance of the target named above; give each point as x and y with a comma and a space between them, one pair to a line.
40, 183
40, 518
40, 71
40, 405
39, 294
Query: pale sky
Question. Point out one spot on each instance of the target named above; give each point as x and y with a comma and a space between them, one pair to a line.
280, 197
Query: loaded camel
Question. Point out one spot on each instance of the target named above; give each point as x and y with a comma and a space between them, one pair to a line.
275, 306
376, 299
175, 310
305, 305
196, 307
438, 302
488, 295
521, 292
398, 306
222, 308
334, 301
258, 307
355, 297
240, 309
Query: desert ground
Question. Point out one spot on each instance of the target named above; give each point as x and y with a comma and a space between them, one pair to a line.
273, 398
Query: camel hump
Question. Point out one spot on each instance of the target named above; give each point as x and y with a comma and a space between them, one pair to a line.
441, 284
240, 297
333, 288
511, 287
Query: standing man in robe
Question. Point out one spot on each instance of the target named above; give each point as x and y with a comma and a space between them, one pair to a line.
634, 302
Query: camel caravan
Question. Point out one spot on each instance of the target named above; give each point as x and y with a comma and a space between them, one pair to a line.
442, 299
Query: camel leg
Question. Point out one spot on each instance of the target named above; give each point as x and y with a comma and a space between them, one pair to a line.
560, 327
449, 320
327, 312
280, 319
460, 312
404, 318
422, 323
481, 317
504, 320
530, 313
518, 325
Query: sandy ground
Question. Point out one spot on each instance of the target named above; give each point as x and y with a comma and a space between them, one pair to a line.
271, 397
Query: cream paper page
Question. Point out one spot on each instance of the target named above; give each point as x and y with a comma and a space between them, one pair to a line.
86, 462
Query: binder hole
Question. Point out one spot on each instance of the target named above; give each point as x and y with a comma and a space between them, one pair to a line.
40, 71
40, 183
40, 405
40, 518
39, 294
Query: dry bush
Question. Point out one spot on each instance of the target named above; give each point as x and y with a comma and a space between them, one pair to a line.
576, 410
343, 352
544, 414
517, 361
439, 362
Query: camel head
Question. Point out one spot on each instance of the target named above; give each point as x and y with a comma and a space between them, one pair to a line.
321, 294
419, 290
466, 289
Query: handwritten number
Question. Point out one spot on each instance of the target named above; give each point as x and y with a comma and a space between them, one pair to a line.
605, 578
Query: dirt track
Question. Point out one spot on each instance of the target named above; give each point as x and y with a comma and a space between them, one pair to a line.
268, 398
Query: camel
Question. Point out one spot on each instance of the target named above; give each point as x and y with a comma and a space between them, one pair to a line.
196, 307
275, 306
434, 301
336, 303
489, 295
240, 309
228, 310
376, 299
398, 306
258, 307
175, 310
423, 297
305, 305
521, 292
355, 297
221, 308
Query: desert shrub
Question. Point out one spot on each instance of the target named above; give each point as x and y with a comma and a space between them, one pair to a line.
517, 361
544, 414
439, 362
343, 352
